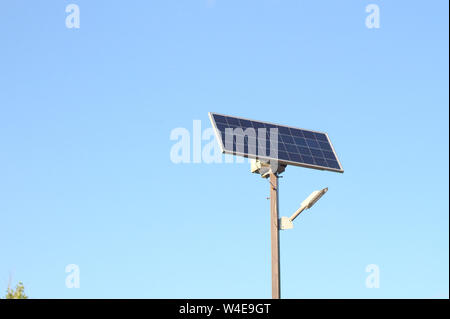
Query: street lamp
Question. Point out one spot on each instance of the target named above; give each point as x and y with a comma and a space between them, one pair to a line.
272, 147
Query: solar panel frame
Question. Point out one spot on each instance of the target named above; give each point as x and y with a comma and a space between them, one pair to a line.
287, 162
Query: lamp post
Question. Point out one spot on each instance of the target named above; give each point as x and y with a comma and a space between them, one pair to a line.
276, 223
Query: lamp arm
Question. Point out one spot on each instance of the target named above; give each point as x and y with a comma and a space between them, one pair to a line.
294, 215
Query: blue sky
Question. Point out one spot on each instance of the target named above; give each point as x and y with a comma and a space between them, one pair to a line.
86, 176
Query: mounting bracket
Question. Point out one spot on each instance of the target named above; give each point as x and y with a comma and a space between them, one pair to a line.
264, 167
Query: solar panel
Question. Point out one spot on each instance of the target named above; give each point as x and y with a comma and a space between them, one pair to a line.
268, 141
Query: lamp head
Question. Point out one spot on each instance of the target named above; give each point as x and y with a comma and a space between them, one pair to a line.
313, 198
286, 223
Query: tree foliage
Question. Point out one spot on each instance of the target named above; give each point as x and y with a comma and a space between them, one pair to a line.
18, 293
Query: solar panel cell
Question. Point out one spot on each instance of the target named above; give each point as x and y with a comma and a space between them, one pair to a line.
309, 135
287, 139
329, 155
308, 159
333, 164
291, 148
283, 156
284, 130
296, 132
325, 146
220, 119
312, 143
295, 157
316, 153
233, 121
321, 137
300, 141
320, 161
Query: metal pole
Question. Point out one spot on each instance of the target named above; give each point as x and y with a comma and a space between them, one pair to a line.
274, 234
